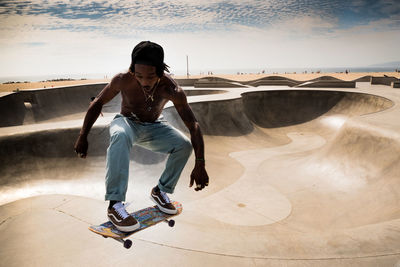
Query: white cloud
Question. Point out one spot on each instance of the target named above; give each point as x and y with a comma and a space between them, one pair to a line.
303, 26
215, 34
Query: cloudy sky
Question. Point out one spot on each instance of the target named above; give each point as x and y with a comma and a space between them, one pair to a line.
43, 37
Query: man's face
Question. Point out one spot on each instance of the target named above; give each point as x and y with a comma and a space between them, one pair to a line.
146, 76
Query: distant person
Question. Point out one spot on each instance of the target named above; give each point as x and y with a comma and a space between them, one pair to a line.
145, 89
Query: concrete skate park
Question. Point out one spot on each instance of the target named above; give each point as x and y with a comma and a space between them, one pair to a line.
301, 174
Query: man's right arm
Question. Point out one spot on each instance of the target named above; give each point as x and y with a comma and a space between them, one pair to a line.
108, 93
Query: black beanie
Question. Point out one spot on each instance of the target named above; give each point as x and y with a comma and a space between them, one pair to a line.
149, 53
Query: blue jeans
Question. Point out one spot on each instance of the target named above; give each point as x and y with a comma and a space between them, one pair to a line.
158, 136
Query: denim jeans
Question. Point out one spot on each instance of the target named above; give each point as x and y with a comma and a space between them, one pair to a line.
159, 137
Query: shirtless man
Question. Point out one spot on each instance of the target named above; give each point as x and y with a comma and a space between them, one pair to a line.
145, 89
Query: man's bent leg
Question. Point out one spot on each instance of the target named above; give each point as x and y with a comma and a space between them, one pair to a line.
175, 164
117, 172
167, 139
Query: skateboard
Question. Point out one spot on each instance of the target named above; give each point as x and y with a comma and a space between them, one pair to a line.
147, 217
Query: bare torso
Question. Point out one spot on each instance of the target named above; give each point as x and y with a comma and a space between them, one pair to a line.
137, 101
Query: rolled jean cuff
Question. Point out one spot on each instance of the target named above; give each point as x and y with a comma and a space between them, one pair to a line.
165, 189
115, 197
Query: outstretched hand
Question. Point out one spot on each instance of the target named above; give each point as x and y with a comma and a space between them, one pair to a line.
81, 147
200, 176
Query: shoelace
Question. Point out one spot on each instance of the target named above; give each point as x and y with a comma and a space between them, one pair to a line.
121, 210
165, 197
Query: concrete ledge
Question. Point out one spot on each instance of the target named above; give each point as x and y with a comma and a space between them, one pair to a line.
273, 82
383, 80
186, 82
43, 104
363, 79
329, 84
216, 82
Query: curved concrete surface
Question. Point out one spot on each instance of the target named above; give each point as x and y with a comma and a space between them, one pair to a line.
299, 177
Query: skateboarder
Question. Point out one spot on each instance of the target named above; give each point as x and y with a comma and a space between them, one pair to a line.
145, 89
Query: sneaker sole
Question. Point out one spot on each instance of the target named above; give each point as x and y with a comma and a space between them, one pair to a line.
170, 212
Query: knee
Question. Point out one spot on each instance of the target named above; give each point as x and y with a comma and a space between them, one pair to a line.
120, 135
186, 146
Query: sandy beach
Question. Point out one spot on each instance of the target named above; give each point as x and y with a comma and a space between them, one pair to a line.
10, 87
243, 77
299, 76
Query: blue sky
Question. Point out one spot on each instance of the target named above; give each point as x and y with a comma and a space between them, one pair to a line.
71, 37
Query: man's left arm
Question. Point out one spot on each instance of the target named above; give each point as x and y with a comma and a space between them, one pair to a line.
199, 173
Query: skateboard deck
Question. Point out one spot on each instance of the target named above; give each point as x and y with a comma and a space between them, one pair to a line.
147, 217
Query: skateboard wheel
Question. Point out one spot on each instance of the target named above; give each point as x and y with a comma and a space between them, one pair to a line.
171, 223
127, 244
105, 236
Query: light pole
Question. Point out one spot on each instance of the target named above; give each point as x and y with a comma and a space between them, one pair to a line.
187, 66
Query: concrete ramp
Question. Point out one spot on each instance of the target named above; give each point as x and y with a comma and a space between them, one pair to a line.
304, 177
328, 84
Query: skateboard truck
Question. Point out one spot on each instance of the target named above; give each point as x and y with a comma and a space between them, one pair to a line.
127, 243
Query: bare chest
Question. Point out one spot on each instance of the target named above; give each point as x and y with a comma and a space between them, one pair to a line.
146, 105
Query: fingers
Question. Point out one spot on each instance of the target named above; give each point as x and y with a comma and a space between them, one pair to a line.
205, 182
200, 177
80, 154
81, 149
199, 187
202, 184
